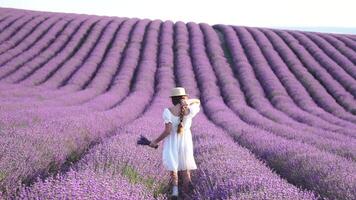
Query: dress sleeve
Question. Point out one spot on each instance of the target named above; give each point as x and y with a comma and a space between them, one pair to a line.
194, 109
166, 116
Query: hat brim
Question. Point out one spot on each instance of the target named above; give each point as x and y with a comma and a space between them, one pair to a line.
178, 95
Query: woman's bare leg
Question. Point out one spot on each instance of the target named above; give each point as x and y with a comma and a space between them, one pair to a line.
174, 178
174, 182
186, 180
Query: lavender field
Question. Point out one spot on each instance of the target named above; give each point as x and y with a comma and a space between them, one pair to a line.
277, 119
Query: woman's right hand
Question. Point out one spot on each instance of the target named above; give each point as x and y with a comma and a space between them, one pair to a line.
153, 144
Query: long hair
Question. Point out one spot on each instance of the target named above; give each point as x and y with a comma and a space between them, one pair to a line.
176, 100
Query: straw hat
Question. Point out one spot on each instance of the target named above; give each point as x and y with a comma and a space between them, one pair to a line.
178, 91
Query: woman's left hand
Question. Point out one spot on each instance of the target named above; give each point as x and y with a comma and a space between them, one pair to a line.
184, 103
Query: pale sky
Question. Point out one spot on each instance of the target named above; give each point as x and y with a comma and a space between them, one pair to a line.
322, 15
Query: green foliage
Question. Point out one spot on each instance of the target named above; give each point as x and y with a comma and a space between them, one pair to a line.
134, 177
2, 176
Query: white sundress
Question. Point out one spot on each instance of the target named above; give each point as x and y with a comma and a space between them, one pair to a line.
178, 149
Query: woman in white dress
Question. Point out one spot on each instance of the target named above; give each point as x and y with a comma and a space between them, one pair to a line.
178, 144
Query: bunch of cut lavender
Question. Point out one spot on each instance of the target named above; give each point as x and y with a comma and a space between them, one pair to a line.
144, 141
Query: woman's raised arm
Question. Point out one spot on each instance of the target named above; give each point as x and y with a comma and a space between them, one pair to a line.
192, 101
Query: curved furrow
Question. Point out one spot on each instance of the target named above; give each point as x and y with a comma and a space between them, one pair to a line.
15, 44
343, 51
43, 113
76, 61
15, 24
337, 65
71, 41
89, 68
64, 112
91, 62
72, 46
66, 45
143, 81
314, 88
3, 18
67, 53
294, 88
30, 48
352, 37
64, 90
52, 48
274, 90
256, 96
143, 78
61, 147
347, 41
94, 61
97, 85
102, 79
71, 88
288, 105
341, 96
13, 58
301, 164
324, 140
6, 23
33, 51
143, 73
121, 82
